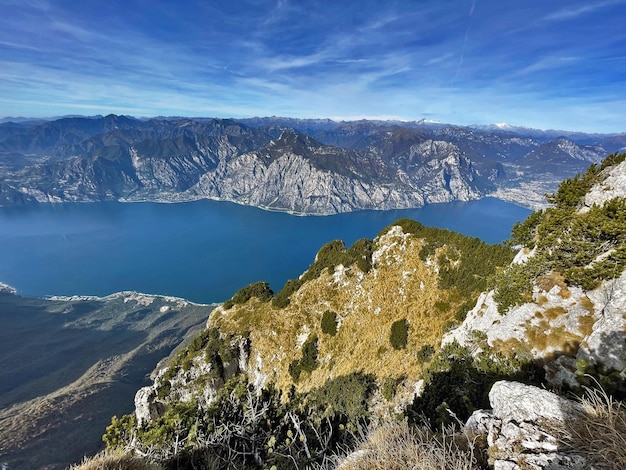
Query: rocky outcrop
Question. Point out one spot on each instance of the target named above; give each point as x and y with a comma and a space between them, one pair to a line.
296, 178
614, 185
522, 428
200, 380
567, 328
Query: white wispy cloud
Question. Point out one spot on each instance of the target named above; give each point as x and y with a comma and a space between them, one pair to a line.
577, 10
456, 62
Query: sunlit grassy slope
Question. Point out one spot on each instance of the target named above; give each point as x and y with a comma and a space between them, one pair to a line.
411, 278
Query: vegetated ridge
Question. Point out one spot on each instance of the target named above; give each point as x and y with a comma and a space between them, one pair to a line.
301, 166
417, 329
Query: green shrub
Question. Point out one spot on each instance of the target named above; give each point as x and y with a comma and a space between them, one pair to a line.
120, 431
399, 334
260, 290
465, 263
360, 253
425, 353
584, 247
331, 255
344, 397
308, 361
610, 380
217, 351
329, 323
295, 370
388, 388
282, 298
458, 382
523, 233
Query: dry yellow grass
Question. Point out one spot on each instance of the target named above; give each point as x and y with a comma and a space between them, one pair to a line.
587, 304
396, 446
554, 313
585, 324
548, 281
543, 337
599, 433
401, 286
510, 347
109, 460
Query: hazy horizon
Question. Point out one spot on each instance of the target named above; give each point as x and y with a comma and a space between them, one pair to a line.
548, 65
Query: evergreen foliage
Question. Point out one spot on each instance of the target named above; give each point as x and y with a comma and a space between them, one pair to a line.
217, 350
457, 384
344, 398
399, 334
611, 381
425, 353
584, 247
260, 290
331, 255
465, 263
329, 323
120, 431
523, 233
282, 298
308, 362
244, 429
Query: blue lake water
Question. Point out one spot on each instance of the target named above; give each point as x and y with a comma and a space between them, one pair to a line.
203, 251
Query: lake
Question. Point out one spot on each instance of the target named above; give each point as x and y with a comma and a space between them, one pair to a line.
203, 251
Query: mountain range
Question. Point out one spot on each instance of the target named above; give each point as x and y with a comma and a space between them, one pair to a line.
305, 166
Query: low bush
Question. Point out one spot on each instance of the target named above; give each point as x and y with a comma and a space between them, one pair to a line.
308, 362
329, 323
331, 255
457, 384
344, 398
399, 334
586, 248
260, 290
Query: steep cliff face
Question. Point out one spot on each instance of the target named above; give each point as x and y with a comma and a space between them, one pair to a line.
318, 179
299, 166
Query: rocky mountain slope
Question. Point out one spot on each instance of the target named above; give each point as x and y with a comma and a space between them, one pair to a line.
418, 323
304, 166
68, 364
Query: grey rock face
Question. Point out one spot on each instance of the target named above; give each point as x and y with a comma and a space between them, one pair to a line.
147, 407
365, 165
520, 428
200, 382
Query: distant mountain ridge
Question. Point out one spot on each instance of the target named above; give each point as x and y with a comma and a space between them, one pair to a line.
308, 166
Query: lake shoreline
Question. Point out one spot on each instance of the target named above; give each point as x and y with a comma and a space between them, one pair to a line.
202, 251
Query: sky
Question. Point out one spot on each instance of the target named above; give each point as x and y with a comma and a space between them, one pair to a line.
545, 64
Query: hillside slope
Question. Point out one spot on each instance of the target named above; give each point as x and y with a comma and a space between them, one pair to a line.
417, 324
68, 364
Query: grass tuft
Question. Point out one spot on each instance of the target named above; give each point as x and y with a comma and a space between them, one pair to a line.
600, 434
398, 446
113, 460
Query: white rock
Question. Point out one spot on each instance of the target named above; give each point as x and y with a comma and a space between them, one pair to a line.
612, 186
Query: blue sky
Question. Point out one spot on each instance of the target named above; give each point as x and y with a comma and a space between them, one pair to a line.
539, 63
